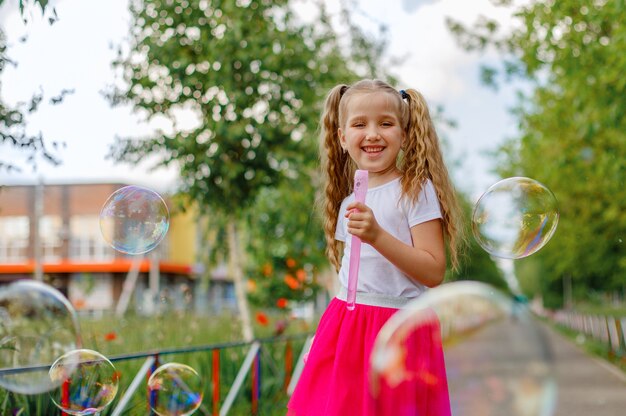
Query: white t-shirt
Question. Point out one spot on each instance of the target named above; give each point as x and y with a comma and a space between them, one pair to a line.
376, 273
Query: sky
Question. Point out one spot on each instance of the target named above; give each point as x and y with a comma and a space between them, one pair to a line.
76, 53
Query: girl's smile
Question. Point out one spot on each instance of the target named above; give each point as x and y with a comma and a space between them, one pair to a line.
373, 149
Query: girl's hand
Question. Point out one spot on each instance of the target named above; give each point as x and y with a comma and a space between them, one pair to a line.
362, 223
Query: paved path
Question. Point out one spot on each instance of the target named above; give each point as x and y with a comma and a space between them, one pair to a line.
498, 371
587, 386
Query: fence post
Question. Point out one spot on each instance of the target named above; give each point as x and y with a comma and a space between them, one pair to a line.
299, 365
152, 395
288, 364
216, 382
145, 369
610, 338
256, 382
620, 337
239, 379
65, 395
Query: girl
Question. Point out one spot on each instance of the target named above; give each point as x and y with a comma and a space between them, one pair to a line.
410, 214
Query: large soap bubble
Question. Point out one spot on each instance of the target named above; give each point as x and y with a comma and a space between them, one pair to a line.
175, 390
515, 218
87, 382
37, 325
468, 342
134, 220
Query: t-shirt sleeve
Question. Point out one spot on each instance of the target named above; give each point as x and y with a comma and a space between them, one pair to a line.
340, 231
427, 207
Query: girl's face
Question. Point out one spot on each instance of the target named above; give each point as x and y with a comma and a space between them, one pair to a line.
372, 134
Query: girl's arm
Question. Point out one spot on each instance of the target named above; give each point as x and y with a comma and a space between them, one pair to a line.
424, 261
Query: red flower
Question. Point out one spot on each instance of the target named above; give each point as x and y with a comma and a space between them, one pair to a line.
110, 336
281, 303
262, 318
291, 282
301, 275
290, 262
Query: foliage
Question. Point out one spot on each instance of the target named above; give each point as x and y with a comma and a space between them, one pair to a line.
286, 244
249, 71
254, 75
476, 264
572, 125
43, 4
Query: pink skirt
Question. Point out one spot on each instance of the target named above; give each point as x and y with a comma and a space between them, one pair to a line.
335, 379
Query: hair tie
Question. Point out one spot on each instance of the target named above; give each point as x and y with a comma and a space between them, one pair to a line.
404, 95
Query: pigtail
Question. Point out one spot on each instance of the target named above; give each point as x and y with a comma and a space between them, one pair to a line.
423, 160
337, 168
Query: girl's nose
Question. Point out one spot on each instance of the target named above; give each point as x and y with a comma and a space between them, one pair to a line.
372, 133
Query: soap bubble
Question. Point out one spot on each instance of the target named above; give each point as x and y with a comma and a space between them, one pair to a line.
37, 325
134, 220
87, 382
515, 218
175, 390
467, 340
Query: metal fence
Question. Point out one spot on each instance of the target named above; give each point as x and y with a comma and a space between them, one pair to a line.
609, 330
276, 355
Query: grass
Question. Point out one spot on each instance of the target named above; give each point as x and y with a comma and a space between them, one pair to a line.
601, 309
111, 336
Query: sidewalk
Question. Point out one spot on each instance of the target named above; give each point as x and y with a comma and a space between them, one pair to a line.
586, 385
490, 373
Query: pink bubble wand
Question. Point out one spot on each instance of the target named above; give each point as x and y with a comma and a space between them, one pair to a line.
360, 190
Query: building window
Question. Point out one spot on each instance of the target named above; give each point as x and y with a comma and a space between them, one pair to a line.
50, 235
86, 242
14, 233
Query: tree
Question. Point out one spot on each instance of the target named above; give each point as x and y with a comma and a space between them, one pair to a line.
254, 76
572, 130
476, 264
286, 244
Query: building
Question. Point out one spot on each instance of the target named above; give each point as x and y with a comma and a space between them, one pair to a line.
70, 253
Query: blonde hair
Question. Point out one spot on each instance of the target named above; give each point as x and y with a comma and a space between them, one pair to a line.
421, 159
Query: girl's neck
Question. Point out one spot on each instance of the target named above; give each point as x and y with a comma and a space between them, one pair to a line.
380, 178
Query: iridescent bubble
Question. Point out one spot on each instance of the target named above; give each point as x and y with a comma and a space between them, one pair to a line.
87, 382
175, 390
515, 218
134, 220
37, 325
467, 346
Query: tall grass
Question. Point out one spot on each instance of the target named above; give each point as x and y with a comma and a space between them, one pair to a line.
132, 334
